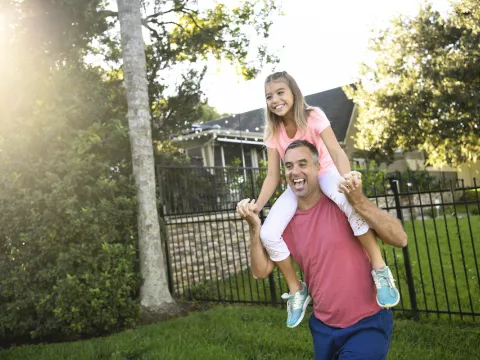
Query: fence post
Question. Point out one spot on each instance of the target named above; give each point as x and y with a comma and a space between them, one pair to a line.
406, 255
271, 280
163, 231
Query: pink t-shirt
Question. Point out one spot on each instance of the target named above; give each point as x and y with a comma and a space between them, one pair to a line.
317, 122
336, 267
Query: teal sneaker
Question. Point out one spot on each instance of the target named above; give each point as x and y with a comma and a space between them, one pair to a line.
387, 294
297, 305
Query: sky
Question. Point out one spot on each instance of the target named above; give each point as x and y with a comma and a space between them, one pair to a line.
319, 42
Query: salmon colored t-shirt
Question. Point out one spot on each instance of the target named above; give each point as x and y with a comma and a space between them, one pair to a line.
336, 267
317, 122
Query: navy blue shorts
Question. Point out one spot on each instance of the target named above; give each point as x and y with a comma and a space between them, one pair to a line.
367, 339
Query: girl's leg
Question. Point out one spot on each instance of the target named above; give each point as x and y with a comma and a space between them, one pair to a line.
387, 294
290, 275
329, 181
370, 244
271, 234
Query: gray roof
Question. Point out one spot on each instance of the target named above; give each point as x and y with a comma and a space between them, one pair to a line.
333, 102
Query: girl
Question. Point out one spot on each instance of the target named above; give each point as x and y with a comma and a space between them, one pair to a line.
289, 118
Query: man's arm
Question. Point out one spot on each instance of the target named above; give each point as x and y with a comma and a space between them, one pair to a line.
388, 228
262, 265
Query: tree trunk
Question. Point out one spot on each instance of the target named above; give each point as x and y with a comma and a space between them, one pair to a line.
154, 293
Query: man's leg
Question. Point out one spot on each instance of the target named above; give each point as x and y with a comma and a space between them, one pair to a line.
323, 341
369, 339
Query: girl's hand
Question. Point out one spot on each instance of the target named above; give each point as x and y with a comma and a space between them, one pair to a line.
350, 181
245, 208
252, 206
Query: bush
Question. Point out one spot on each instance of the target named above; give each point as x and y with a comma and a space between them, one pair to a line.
68, 231
69, 263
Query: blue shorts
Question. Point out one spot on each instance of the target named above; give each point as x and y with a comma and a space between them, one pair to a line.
367, 339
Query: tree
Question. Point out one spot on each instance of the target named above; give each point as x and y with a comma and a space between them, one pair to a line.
154, 292
209, 113
423, 91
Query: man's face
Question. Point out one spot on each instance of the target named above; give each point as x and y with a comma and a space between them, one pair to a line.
301, 171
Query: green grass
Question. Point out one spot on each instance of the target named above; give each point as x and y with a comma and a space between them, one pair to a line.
434, 244
248, 332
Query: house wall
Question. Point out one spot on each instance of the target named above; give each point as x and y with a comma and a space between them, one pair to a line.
413, 160
349, 143
469, 172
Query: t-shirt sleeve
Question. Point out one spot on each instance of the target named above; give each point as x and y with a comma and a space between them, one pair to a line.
318, 121
270, 143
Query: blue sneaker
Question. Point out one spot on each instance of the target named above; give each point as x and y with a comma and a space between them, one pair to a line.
297, 305
387, 294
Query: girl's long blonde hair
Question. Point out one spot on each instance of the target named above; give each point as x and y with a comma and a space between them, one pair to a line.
300, 108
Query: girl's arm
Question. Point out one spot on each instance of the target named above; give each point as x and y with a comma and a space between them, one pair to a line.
336, 152
271, 181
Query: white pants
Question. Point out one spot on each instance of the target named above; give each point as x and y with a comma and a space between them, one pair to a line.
286, 205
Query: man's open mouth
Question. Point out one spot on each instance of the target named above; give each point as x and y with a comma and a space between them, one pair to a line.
298, 183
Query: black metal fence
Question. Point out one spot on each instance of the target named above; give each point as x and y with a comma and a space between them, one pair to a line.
207, 247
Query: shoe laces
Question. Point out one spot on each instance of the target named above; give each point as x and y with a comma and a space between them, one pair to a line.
381, 280
294, 301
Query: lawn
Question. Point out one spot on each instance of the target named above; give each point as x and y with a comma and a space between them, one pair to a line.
248, 332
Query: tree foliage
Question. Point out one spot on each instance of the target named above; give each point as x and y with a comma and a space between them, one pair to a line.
423, 92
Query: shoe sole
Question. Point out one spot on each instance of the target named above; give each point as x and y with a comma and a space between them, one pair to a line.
304, 309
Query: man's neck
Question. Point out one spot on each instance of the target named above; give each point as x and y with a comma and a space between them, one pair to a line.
310, 201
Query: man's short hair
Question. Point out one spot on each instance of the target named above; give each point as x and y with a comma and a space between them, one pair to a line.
304, 143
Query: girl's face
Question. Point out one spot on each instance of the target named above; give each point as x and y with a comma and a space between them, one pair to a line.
279, 97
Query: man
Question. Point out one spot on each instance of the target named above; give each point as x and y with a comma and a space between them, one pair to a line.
347, 322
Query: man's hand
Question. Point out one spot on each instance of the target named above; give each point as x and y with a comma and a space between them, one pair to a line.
246, 208
388, 228
261, 264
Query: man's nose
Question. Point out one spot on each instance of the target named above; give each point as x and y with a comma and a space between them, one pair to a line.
295, 169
